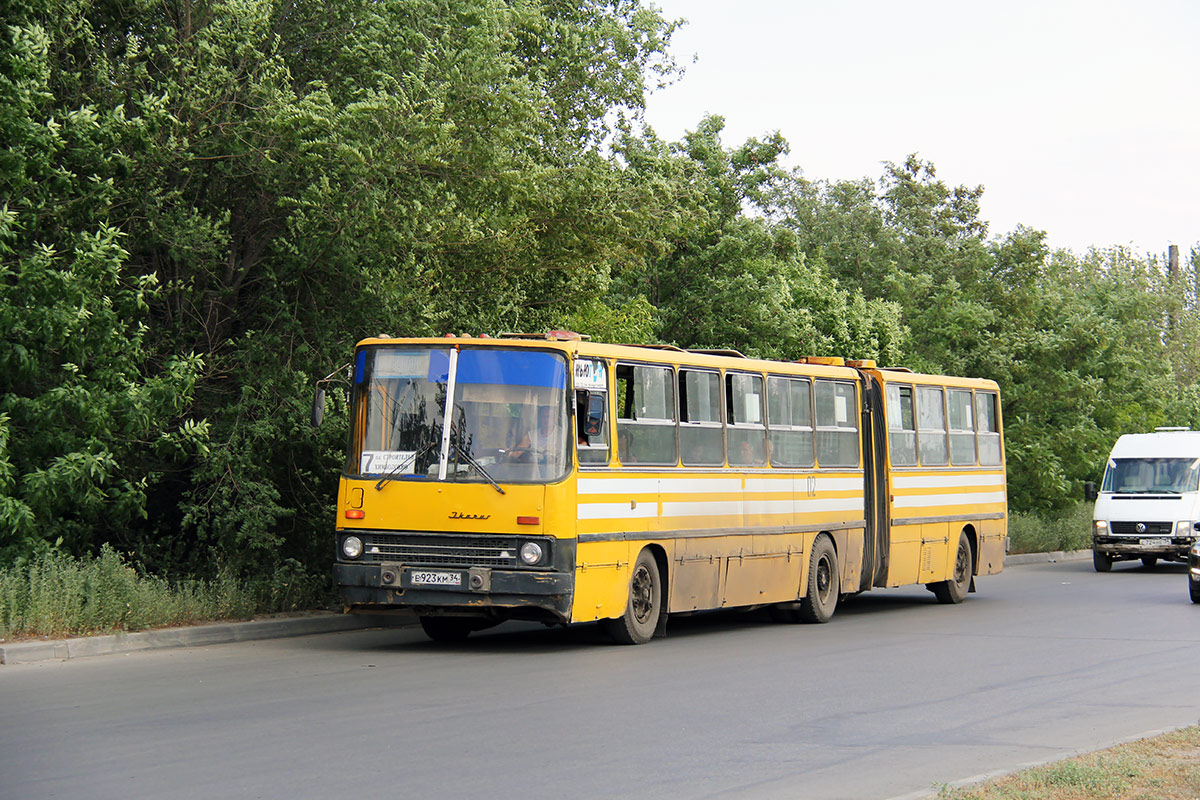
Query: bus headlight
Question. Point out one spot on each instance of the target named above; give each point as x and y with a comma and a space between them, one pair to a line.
352, 547
531, 552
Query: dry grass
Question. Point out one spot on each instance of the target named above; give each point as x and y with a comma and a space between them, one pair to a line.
1165, 767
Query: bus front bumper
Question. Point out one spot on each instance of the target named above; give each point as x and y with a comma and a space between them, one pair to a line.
478, 591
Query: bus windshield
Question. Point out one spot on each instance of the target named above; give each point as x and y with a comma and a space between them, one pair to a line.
509, 421
1151, 475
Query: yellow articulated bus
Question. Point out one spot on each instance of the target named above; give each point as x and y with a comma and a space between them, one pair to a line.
550, 478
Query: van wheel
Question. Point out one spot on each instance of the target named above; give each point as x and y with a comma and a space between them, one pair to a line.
955, 590
1149, 561
637, 624
1101, 561
820, 601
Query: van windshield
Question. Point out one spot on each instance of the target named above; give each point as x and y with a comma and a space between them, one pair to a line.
1151, 475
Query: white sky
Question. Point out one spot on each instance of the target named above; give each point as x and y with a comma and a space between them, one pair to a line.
1079, 117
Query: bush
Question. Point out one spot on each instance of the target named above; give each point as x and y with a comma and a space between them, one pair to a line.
1047, 531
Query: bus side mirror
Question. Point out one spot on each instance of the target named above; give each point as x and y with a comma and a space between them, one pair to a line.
318, 409
595, 414
1089, 491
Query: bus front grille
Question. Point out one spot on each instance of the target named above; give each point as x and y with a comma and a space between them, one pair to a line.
437, 550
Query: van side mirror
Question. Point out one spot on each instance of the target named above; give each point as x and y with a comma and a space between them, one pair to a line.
318, 409
1089, 491
595, 414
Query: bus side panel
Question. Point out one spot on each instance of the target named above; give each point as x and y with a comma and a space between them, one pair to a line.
992, 533
766, 571
849, 545
695, 580
937, 563
601, 580
905, 555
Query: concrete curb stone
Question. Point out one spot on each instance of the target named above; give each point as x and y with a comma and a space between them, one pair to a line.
283, 626
195, 636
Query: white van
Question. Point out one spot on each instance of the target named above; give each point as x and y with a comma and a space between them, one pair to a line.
1148, 506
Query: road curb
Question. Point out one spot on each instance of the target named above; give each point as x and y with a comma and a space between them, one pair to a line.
195, 636
1047, 558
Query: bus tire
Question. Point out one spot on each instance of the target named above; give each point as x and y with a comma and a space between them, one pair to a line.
1101, 561
820, 601
448, 629
644, 606
955, 590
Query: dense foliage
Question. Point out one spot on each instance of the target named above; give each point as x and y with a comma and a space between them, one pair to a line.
204, 203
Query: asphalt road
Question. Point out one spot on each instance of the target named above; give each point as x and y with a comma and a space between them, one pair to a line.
896, 696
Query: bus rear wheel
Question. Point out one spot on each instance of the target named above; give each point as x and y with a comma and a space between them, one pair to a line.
955, 590
824, 583
644, 606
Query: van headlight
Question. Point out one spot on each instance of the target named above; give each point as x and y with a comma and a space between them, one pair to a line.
531, 553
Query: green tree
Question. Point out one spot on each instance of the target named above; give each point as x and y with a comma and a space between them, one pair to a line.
90, 417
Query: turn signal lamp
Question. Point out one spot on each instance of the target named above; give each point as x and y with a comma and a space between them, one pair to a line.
355, 513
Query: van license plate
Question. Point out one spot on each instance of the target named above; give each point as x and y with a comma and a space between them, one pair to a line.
1155, 542
428, 577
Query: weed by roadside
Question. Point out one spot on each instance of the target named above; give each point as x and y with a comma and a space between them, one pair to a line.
1165, 767
1045, 532
56, 595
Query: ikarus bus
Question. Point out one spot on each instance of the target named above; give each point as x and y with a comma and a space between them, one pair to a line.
554, 479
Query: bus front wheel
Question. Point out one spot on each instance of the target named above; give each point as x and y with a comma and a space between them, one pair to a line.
955, 590
824, 583
450, 629
637, 624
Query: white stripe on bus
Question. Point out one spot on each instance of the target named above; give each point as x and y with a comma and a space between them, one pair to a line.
945, 481
965, 499
718, 508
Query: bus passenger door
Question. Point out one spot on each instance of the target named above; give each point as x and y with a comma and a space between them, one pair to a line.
875, 484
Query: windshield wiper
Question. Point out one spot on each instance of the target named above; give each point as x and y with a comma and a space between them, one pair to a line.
391, 474
467, 457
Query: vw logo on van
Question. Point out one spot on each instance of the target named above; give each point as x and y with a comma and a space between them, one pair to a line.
1140, 527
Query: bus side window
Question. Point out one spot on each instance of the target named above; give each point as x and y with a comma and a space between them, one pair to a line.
931, 426
645, 414
700, 439
746, 431
902, 426
789, 416
837, 424
962, 427
987, 429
